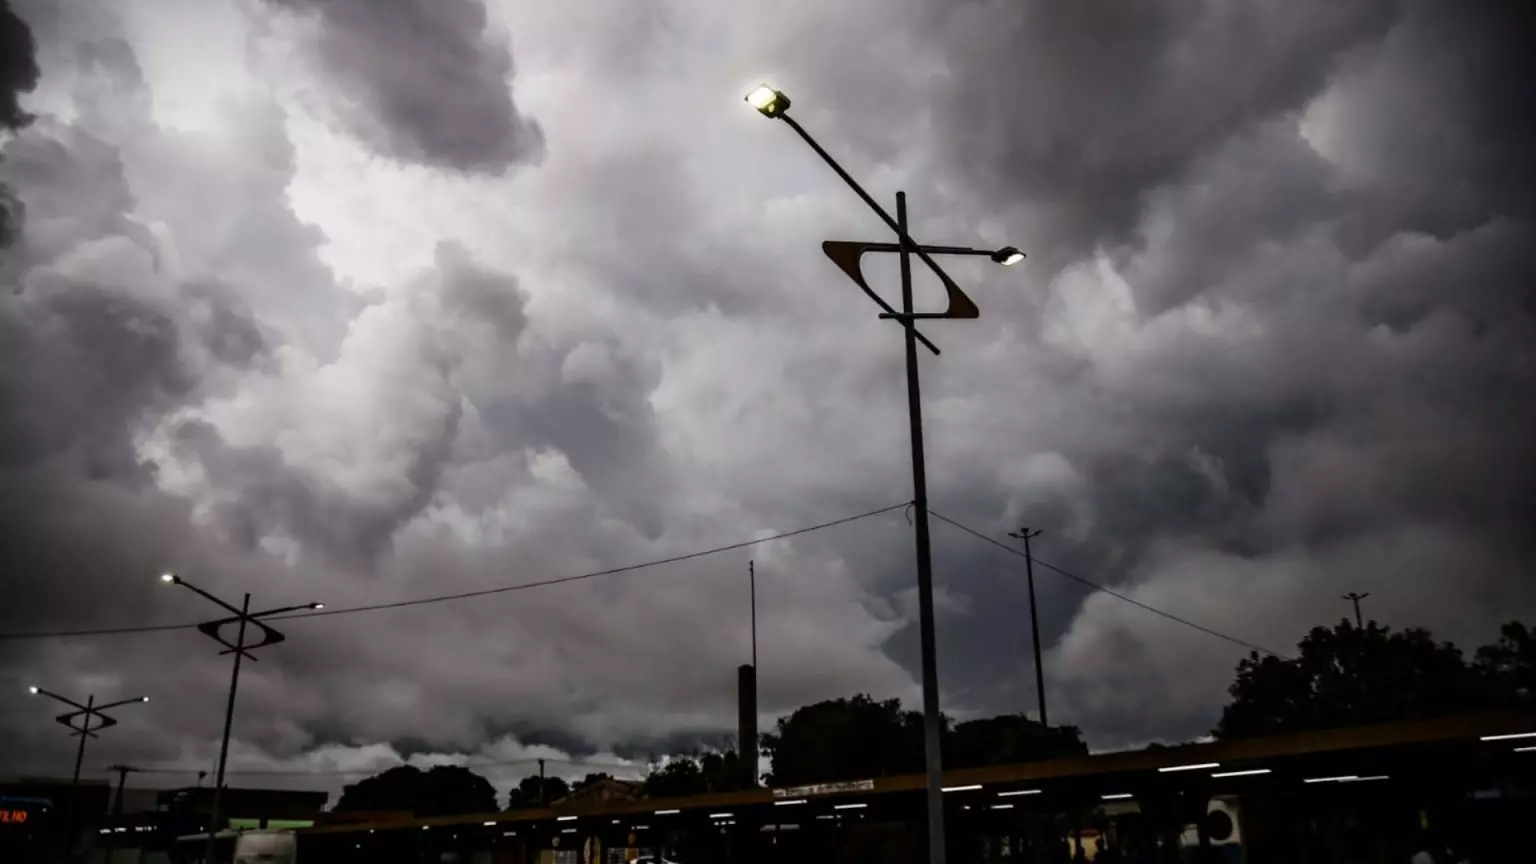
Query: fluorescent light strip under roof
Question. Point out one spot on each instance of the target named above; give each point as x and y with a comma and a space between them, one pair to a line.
1524, 749
1018, 792
1193, 767
1363, 779
971, 788
1117, 796
667, 812
1252, 772
1508, 737
487, 824
849, 806
565, 818
1332, 779
720, 815
789, 802
1002, 806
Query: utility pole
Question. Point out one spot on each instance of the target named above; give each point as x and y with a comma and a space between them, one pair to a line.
1034, 619
1355, 598
122, 780
541, 783
752, 580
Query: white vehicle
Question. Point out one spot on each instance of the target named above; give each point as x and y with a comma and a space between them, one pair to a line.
266, 847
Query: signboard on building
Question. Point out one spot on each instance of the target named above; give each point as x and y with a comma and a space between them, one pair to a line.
824, 789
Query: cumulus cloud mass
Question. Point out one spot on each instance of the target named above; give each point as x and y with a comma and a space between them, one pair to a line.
331, 300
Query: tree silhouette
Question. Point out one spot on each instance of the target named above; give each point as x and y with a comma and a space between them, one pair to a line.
595, 777
1009, 739
686, 775
1347, 676
526, 793
845, 739
1509, 665
441, 791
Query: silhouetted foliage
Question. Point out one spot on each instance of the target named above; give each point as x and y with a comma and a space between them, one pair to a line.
1347, 676
685, 775
595, 777
526, 793
844, 739
1009, 739
441, 791
859, 738
1509, 665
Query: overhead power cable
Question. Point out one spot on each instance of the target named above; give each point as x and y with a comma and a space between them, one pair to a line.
1110, 591
465, 595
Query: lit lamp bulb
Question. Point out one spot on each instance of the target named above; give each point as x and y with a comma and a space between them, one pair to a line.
1008, 256
769, 101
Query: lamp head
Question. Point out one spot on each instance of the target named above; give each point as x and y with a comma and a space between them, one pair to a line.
32, 690
317, 605
1008, 256
169, 578
144, 699
769, 101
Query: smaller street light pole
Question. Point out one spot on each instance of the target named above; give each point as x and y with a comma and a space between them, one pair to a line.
243, 617
90, 702
87, 712
1355, 598
752, 582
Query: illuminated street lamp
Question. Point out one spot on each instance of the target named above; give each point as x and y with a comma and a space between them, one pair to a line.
86, 713
243, 617
847, 255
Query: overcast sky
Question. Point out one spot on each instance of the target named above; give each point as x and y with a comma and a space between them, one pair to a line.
361, 302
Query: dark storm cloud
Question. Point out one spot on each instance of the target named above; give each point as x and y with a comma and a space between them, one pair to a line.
1304, 343
1080, 109
1297, 369
18, 66
18, 74
423, 81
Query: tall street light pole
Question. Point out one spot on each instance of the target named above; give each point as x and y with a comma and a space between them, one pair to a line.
1034, 619
243, 618
847, 255
1355, 598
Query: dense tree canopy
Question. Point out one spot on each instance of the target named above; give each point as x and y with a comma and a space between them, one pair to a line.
1348, 675
440, 791
526, 793
1510, 664
594, 777
845, 739
859, 738
1009, 739
711, 772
